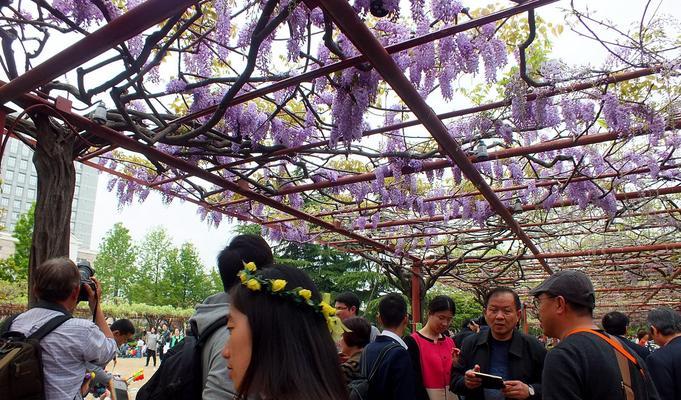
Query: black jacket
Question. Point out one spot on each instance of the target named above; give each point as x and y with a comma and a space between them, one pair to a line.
526, 362
665, 369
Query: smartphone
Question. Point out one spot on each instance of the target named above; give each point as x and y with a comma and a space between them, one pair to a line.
120, 389
490, 381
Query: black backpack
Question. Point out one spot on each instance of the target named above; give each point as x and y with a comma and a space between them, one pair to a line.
21, 363
180, 375
359, 388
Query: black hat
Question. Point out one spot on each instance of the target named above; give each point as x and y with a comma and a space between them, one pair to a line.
574, 286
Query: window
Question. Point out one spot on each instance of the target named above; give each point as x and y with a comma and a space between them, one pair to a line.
15, 215
23, 164
19, 191
5, 201
22, 177
6, 188
13, 145
30, 194
9, 175
25, 151
17, 205
12, 161
33, 180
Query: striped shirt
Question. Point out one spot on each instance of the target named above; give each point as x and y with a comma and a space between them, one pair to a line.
65, 350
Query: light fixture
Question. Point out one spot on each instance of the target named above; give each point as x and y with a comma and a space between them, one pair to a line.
99, 115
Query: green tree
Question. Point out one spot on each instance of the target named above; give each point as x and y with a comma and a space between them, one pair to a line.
154, 255
184, 281
9, 272
115, 263
467, 306
23, 232
331, 270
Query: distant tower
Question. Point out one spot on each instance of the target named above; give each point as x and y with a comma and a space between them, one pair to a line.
20, 185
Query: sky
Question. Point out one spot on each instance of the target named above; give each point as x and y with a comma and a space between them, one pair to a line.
181, 219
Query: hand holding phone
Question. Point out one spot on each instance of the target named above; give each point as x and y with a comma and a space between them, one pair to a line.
490, 381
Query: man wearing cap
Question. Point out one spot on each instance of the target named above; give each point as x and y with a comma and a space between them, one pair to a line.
500, 350
584, 365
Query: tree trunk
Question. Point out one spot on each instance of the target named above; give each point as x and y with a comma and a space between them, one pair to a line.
53, 160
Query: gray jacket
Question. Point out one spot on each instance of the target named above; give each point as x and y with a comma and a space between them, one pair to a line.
216, 382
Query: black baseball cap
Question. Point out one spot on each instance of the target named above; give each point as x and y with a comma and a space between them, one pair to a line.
573, 286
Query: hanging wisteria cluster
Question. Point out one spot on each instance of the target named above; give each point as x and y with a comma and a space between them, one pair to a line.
341, 146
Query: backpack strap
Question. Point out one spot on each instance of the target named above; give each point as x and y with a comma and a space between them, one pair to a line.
379, 360
49, 326
7, 323
623, 359
210, 329
612, 342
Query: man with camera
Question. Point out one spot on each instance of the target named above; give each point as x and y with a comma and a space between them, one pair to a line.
59, 285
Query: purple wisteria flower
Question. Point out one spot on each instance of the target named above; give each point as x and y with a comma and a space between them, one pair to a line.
617, 116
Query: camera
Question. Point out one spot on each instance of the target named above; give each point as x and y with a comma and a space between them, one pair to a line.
86, 273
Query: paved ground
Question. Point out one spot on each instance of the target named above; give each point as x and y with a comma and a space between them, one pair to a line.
128, 366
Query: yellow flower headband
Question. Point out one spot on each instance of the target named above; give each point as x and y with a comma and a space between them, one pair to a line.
299, 295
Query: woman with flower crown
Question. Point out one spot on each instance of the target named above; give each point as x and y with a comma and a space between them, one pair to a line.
280, 344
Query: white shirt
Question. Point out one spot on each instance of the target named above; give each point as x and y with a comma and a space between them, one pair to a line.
394, 336
65, 350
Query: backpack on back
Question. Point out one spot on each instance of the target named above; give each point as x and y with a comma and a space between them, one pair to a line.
180, 375
21, 363
359, 388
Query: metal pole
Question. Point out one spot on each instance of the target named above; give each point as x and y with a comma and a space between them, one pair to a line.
132, 23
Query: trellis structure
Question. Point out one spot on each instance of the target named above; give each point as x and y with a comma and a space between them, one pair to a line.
494, 198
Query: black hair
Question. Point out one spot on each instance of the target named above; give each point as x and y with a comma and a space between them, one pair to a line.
359, 334
665, 320
642, 333
123, 326
500, 290
392, 308
349, 299
441, 303
242, 249
465, 323
615, 323
580, 310
293, 355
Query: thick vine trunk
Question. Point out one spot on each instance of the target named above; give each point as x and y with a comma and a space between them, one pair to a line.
53, 160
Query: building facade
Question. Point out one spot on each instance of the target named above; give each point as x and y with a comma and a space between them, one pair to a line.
19, 190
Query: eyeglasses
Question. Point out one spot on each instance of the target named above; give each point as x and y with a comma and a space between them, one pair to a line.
536, 302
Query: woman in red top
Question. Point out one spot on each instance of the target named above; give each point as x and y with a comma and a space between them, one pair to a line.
432, 352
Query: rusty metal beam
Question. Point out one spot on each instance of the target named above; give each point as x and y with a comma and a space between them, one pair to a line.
610, 79
539, 183
671, 278
528, 225
121, 140
531, 207
353, 61
552, 145
134, 22
571, 254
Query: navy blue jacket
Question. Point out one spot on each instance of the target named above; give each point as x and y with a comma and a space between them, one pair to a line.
640, 350
664, 365
395, 379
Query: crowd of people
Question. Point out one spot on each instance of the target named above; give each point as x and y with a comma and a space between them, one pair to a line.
268, 334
